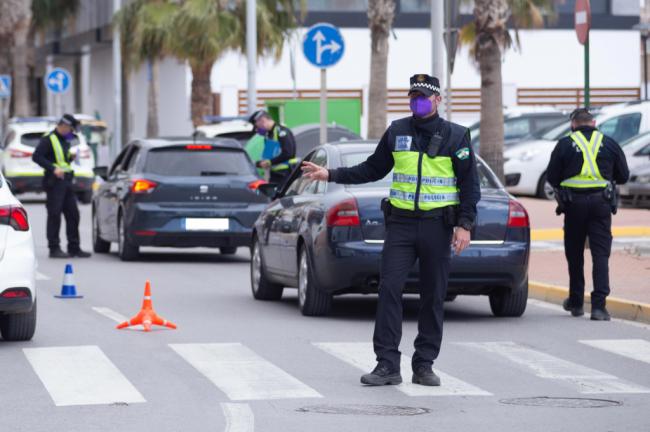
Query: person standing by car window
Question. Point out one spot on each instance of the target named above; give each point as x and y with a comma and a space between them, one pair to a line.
432, 206
583, 170
279, 154
53, 154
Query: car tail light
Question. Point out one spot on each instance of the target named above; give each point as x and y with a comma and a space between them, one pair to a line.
345, 213
145, 233
19, 153
517, 215
15, 217
198, 147
256, 184
142, 186
15, 293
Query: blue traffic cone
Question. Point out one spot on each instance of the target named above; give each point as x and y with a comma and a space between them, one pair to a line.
68, 289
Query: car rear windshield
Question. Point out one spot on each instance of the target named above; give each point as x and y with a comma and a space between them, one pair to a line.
182, 162
33, 138
486, 178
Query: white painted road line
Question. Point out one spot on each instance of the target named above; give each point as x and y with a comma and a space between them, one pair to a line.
241, 374
41, 276
110, 313
239, 417
636, 349
587, 380
361, 356
81, 375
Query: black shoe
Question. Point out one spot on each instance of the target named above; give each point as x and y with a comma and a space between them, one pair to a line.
58, 253
575, 311
382, 375
425, 376
600, 314
78, 253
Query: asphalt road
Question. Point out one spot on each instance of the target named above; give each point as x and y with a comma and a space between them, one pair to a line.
236, 364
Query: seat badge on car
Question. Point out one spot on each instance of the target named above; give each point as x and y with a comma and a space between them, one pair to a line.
203, 189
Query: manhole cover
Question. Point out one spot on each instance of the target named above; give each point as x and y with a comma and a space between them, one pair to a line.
375, 410
557, 402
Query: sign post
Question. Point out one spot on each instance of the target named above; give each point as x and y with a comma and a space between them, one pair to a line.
57, 82
582, 26
323, 46
5, 94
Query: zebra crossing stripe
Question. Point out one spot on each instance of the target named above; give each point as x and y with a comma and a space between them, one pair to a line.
239, 417
636, 349
242, 374
587, 380
110, 314
81, 375
361, 356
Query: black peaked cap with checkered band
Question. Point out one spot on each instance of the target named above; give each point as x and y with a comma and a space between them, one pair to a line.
425, 84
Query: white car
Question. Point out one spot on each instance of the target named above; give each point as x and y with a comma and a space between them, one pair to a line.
525, 164
17, 148
238, 129
17, 269
637, 151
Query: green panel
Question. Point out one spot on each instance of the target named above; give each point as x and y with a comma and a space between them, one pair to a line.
296, 112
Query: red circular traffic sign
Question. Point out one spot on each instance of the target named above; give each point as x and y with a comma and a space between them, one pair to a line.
583, 20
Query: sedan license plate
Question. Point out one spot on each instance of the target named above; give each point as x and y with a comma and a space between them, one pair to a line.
207, 224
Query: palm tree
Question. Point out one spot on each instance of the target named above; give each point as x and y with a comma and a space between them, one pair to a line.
145, 28
489, 36
380, 20
15, 20
212, 27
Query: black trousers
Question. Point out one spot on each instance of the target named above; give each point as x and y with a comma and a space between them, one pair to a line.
588, 215
408, 239
61, 199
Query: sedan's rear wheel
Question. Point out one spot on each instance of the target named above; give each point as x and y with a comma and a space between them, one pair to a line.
99, 244
127, 251
544, 189
312, 301
18, 326
506, 303
262, 288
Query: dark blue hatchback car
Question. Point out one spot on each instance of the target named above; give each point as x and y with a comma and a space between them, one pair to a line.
326, 239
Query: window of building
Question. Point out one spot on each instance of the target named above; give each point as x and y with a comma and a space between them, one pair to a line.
337, 5
626, 7
569, 6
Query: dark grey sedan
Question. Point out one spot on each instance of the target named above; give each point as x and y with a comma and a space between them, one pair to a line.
326, 239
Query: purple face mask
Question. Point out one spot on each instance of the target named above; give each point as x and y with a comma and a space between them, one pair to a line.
261, 131
421, 106
69, 136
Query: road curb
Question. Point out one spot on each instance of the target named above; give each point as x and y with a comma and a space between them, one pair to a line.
558, 233
618, 308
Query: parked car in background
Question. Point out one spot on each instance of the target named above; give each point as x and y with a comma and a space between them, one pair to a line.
637, 151
18, 145
525, 164
237, 128
308, 137
17, 269
326, 239
522, 125
636, 192
177, 192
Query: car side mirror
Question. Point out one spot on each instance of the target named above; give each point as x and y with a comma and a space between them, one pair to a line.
10, 185
269, 190
101, 171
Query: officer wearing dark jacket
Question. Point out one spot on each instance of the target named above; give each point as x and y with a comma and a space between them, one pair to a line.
583, 169
431, 209
53, 154
280, 146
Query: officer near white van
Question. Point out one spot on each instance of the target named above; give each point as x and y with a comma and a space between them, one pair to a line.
584, 169
54, 156
431, 210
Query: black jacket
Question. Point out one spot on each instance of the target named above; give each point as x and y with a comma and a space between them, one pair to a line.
44, 153
287, 144
381, 162
566, 161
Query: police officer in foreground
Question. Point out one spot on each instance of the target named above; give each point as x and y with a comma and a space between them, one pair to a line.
53, 154
584, 169
279, 146
431, 209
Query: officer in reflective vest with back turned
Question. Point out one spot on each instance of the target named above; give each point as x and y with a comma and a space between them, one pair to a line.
431, 209
53, 154
279, 153
584, 169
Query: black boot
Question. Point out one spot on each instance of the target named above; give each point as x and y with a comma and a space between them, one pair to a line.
575, 311
78, 253
600, 314
382, 375
424, 375
58, 253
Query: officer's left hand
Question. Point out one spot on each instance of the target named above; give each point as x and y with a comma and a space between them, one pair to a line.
461, 240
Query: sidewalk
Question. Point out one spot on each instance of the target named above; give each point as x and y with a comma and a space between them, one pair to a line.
629, 267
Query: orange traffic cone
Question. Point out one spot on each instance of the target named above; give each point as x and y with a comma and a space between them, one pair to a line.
147, 316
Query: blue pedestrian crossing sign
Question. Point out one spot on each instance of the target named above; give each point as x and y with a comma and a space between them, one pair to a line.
5, 86
323, 45
58, 80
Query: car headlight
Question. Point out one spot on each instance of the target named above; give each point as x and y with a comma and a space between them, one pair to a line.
643, 178
527, 155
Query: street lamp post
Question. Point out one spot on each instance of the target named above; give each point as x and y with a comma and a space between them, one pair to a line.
645, 33
251, 53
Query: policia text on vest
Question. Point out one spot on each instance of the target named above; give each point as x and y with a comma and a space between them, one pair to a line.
434, 191
583, 170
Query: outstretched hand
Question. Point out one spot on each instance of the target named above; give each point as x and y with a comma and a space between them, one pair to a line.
314, 172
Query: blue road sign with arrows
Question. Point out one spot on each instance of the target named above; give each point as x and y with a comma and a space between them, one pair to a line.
58, 80
5, 86
323, 45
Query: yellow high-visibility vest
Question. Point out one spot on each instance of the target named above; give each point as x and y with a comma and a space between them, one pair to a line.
589, 176
60, 160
